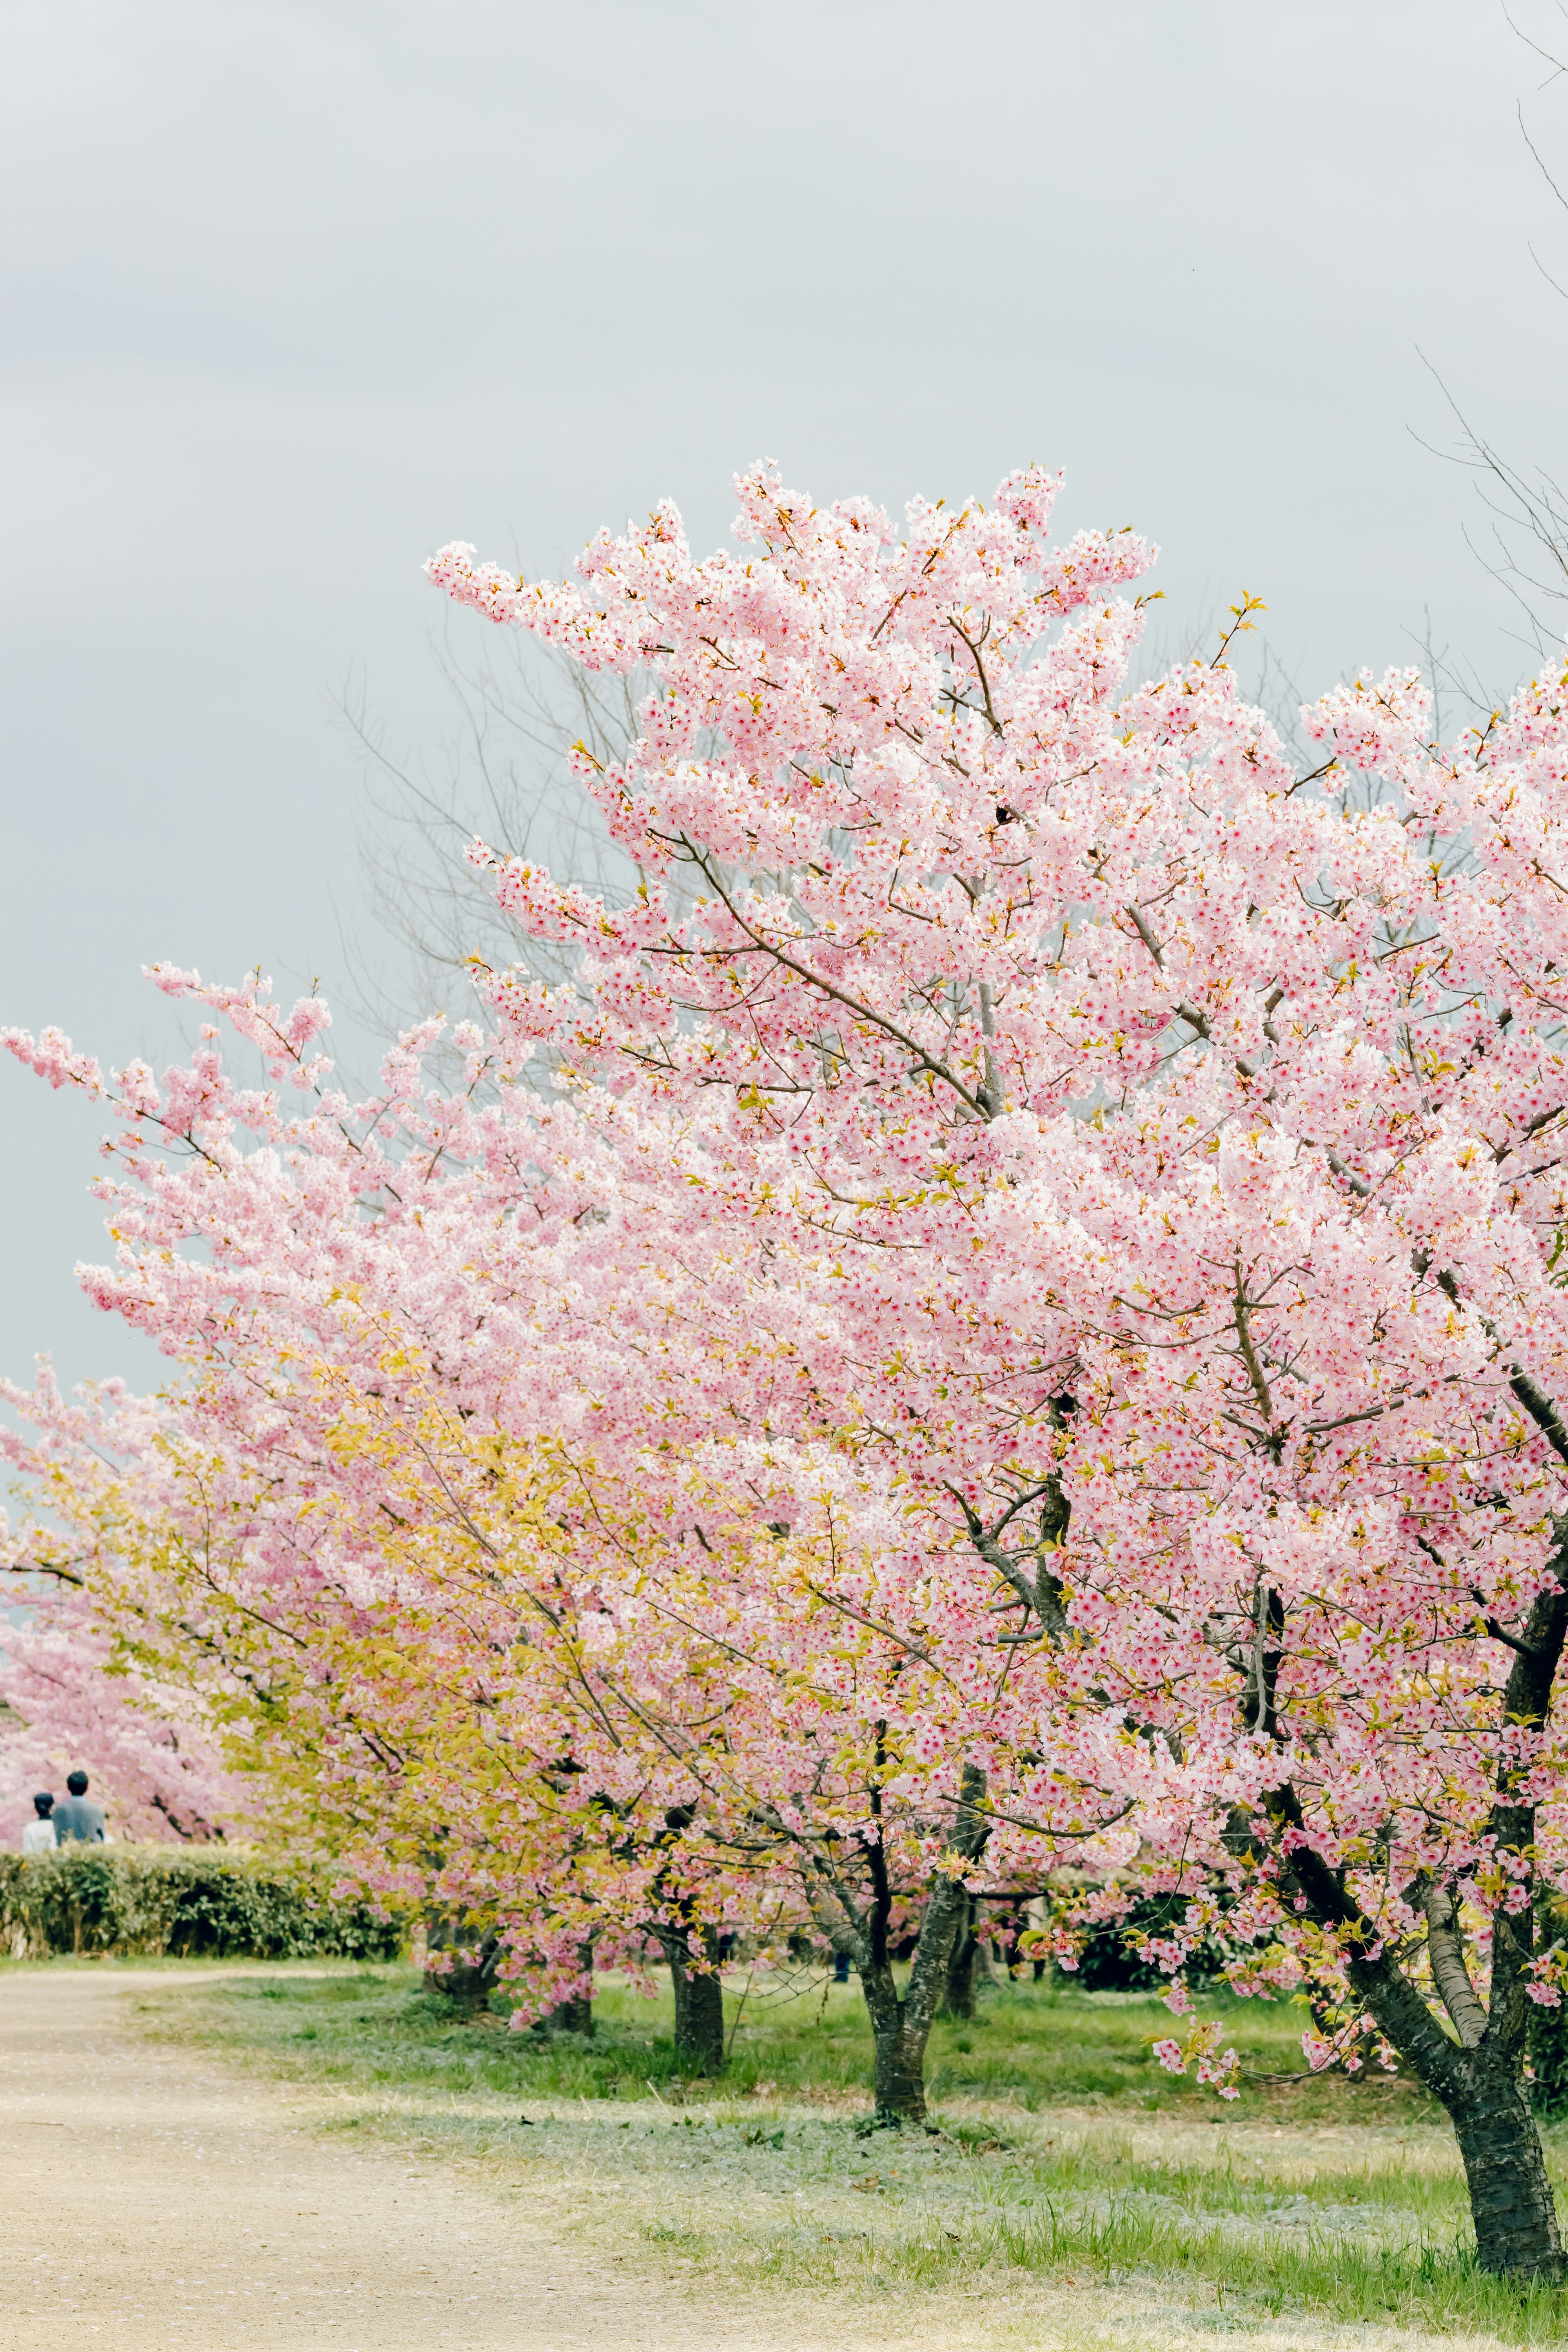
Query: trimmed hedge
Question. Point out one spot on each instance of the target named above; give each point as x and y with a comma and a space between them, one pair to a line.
182, 1901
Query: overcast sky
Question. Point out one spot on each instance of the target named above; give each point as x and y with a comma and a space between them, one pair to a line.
292, 294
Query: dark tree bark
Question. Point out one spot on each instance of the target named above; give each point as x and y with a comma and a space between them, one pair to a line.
901, 2023
573, 2016
958, 1986
1505, 2171
466, 1981
472, 1984
699, 1994
698, 2001
575, 2013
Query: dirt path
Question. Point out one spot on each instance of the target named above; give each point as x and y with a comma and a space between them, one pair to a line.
151, 2201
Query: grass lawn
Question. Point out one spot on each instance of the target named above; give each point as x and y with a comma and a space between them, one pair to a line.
1064, 2155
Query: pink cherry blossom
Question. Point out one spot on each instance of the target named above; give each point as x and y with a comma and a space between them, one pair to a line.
1010, 1306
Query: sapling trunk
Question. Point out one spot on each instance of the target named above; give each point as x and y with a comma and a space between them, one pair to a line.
699, 1995
472, 1973
699, 2004
575, 2013
958, 1986
901, 2023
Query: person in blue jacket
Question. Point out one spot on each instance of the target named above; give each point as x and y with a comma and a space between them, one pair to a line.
76, 1818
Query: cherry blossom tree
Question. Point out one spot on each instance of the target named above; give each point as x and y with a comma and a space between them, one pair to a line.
535, 1633
1159, 1147
1039, 1233
72, 1701
78, 1686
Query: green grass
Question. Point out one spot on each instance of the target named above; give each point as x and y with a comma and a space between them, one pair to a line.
1030, 2048
1065, 2155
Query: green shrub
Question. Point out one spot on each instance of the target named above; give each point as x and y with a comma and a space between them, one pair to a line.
1109, 1964
185, 1901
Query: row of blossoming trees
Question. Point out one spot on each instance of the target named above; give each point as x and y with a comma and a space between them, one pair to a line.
1007, 1316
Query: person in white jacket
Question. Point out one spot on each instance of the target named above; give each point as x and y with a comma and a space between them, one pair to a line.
39, 1837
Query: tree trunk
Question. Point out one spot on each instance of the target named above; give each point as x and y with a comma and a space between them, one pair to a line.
575, 2013
699, 2004
699, 1995
1511, 2197
573, 2016
958, 1986
1479, 2077
468, 1981
898, 2046
900, 2027
1480, 2083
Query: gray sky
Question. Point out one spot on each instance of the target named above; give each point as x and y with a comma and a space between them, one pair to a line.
294, 293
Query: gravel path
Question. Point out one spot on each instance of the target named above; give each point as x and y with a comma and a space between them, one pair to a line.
151, 2201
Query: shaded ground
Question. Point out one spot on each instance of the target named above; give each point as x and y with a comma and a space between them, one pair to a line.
351, 2168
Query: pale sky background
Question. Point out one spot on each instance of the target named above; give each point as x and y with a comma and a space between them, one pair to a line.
294, 293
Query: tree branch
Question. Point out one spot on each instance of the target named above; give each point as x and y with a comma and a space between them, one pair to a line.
1445, 1951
